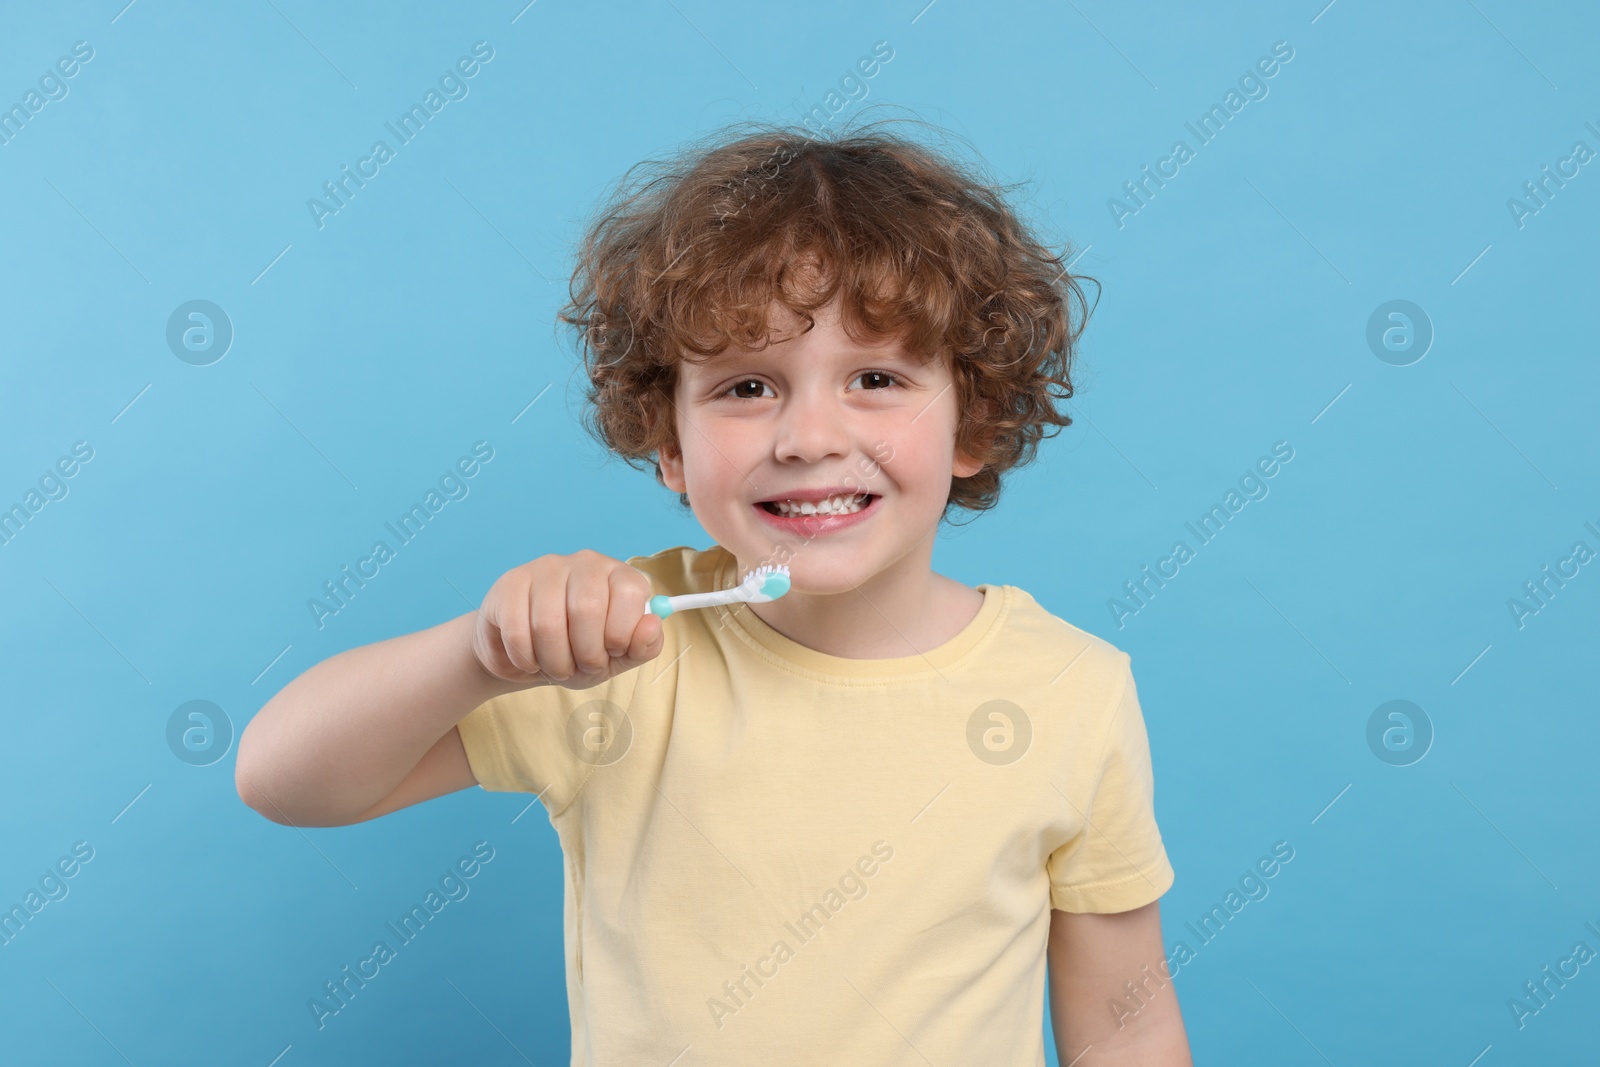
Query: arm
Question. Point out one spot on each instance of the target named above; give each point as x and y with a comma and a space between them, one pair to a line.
373, 728
367, 731
1091, 959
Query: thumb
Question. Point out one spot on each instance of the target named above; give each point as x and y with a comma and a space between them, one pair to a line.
646, 642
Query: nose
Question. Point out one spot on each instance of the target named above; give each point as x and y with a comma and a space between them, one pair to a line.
811, 427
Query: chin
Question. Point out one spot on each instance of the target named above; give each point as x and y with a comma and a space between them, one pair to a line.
814, 577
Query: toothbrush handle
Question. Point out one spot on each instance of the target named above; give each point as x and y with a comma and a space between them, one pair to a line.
666, 605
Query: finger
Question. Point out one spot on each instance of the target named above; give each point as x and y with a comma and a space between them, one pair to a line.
509, 620
548, 625
630, 592
588, 603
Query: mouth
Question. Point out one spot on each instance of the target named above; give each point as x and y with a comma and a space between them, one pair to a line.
837, 505
818, 517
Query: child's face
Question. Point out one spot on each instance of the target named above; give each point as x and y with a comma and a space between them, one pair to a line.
818, 411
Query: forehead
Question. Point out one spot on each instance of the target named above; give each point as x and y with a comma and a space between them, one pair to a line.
823, 346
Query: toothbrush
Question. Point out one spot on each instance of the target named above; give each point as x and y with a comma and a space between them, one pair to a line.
759, 586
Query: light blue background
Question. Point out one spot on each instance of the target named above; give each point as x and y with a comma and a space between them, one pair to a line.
376, 350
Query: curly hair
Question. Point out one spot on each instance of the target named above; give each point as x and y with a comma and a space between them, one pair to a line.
689, 257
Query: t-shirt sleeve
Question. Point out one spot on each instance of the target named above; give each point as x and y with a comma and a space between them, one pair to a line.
1117, 862
549, 740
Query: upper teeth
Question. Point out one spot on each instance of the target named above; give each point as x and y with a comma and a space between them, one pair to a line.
834, 505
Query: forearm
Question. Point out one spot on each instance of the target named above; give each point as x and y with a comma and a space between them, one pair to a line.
1112, 1000
1155, 1039
341, 736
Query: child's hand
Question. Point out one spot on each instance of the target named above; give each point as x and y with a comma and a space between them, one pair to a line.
573, 621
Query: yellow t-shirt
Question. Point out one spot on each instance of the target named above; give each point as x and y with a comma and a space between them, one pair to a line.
779, 856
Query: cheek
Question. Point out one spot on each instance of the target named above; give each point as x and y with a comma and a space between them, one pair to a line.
914, 469
715, 455
924, 445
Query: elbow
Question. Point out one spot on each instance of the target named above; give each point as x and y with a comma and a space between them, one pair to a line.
251, 796
247, 783
255, 769
264, 805
250, 801
246, 775
242, 782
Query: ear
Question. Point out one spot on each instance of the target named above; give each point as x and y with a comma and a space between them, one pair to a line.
670, 457
966, 465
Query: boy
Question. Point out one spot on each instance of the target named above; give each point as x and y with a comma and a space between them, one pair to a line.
852, 825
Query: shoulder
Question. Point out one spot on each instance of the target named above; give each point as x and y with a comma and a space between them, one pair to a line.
1029, 623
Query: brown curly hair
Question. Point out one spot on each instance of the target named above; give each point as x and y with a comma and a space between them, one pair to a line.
685, 261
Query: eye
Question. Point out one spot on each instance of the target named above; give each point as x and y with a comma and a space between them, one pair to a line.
747, 381
883, 380
882, 375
